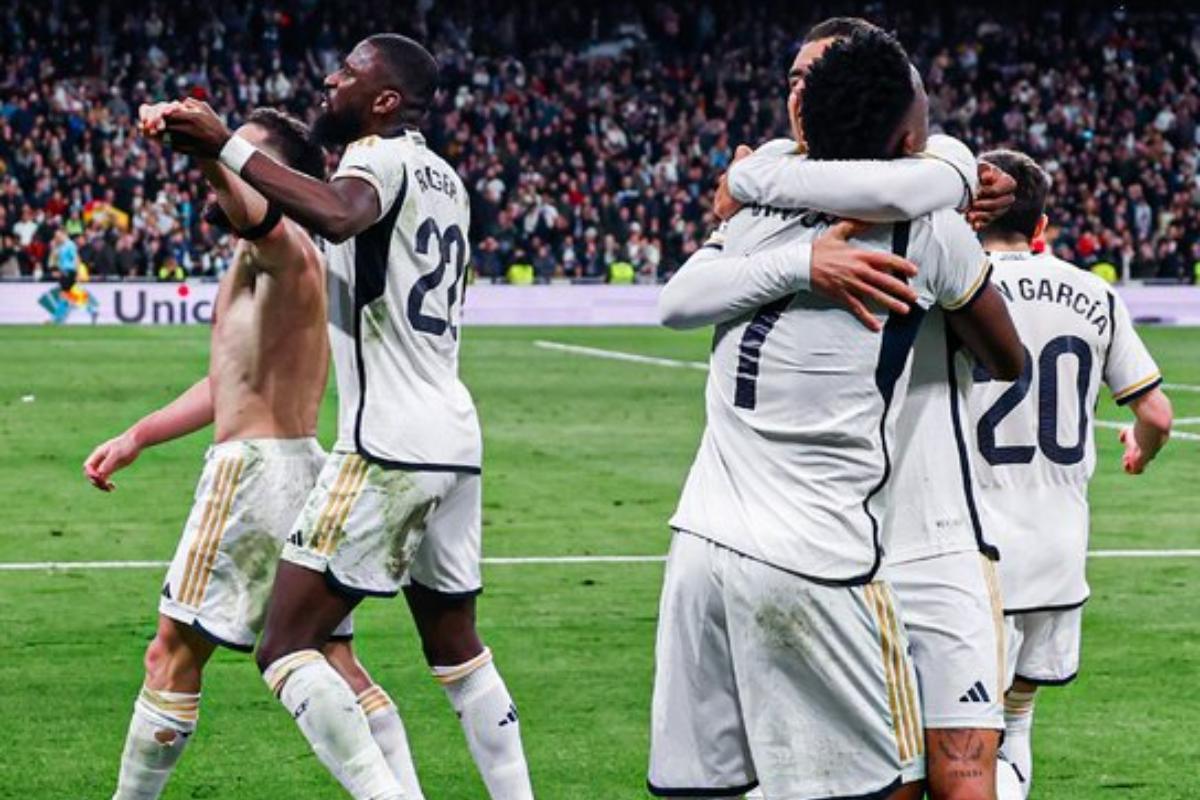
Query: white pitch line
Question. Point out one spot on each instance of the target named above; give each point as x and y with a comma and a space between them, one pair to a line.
1144, 554
617, 355
1116, 426
1187, 420
59, 566
1180, 387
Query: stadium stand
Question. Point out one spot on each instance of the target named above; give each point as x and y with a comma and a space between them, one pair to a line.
589, 134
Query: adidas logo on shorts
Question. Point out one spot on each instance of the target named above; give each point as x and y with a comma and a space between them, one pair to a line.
976, 694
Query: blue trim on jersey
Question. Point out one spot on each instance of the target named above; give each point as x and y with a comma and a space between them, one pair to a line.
1013, 612
1149, 387
964, 457
899, 334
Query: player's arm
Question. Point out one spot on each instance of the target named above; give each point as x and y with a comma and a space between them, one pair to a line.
712, 287
975, 310
1150, 431
336, 210
945, 176
986, 329
1135, 381
186, 414
275, 244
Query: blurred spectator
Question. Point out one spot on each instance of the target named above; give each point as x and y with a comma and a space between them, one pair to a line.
587, 133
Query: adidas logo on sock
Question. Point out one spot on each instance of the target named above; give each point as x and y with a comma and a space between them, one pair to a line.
300, 709
976, 694
297, 539
511, 717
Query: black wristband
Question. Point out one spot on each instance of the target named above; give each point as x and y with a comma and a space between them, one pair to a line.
274, 215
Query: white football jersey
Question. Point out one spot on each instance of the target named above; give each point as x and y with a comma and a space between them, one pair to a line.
801, 399
1034, 438
930, 499
396, 292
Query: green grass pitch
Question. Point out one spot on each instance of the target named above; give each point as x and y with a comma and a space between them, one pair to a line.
584, 456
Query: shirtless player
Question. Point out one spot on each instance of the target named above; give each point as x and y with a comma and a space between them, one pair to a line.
267, 373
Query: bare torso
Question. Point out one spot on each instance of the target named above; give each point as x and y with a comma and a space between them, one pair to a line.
270, 351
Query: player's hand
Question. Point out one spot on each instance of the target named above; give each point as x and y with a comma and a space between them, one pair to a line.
997, 191
724, 206
117, 453
853, 277
152, 117
195, 129
1132, 460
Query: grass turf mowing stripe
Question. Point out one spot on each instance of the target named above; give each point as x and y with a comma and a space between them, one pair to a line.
34, 566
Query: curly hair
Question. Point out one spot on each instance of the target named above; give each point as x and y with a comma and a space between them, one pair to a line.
292, 139
1033, 184
855, 96
837, 28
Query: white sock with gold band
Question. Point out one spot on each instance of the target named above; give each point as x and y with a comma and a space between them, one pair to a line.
161, 726
332, 721
388, 731
489, 720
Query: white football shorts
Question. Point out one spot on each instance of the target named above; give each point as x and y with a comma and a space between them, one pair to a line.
245, 504
372, 529
766, 678
1043, 646
951, 608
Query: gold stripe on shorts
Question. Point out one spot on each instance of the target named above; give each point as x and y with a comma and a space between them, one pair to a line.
886, 644
909, 700
319, 525
218, 533
344, 504
212, 504
991, 578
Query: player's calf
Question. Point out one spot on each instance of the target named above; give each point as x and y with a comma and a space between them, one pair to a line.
463, 666
303, 612
961, 763
166, 711
387, 728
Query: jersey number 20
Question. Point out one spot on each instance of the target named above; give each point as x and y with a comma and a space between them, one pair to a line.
451, 248
1047, 400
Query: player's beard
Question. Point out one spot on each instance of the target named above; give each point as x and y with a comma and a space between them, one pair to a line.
335, 128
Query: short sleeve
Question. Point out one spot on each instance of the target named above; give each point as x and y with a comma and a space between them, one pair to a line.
1129, 369
377, 161
963, 266
951, 151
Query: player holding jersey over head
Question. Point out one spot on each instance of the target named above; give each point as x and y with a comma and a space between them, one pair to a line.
780, 657
947, 589
264, 385
397, 504
1035, 445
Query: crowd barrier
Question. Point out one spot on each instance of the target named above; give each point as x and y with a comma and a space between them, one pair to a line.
486, 304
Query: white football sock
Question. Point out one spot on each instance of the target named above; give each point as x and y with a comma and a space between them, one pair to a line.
1018, 735
325, 709
1008, 785
489, 720
388, 731
161, 726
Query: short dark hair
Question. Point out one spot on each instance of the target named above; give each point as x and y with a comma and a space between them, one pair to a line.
837, 28
410, 67
856, 95
1033, 185
292, 139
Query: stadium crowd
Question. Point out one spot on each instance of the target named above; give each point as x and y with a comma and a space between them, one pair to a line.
588, 134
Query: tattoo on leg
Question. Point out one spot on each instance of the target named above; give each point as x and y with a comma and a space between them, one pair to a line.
964, 750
